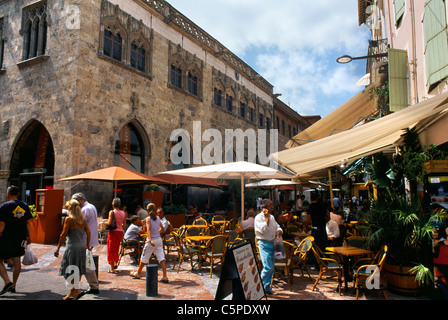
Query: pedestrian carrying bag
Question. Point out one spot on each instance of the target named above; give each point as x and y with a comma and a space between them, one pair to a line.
113, 225
29, 258
90, 263
279, 249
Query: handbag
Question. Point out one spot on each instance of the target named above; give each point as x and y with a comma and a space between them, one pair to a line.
29, 258
113, 225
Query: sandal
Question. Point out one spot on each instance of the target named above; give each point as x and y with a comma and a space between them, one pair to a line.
112, 271
135, 275
164, 280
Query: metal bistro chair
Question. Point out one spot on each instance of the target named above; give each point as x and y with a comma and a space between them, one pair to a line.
283, 267
184, 251
200, 222
216, 249
301, 254
362, 274
327, 265
128, 247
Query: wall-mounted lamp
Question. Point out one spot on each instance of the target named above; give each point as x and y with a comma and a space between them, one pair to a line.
346, 58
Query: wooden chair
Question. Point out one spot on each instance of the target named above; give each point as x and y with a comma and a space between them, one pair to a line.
233, 236
249, 233
327, 265
362, 274
184, 251
301, 254
192, 231
200, 222
356, 241
215, 249
283, 268
127, 247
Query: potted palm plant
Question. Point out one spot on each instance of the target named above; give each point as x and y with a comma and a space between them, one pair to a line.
401, 217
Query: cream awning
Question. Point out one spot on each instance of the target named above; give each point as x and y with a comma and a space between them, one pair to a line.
360, 141
341, 119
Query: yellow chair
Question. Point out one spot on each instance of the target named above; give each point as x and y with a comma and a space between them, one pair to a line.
283, 268
362, 274
128, 247
327, 265
356, 241
301, 253
215, 249
249, 233
200, 222
184, 251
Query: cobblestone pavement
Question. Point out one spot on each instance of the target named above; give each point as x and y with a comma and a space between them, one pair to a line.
42, 282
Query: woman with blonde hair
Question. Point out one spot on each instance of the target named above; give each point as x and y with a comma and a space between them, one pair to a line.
74, 258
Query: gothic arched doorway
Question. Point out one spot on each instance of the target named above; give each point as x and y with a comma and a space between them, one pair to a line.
32, 161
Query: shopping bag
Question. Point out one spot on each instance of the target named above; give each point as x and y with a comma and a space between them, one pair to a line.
279, 250
29, 258
90, 263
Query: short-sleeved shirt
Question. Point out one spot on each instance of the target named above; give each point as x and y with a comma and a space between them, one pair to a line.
14, 214
132, 232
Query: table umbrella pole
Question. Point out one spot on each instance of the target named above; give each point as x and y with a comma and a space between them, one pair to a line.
115, 189
242, 197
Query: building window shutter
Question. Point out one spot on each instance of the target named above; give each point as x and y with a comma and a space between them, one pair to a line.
399, 9
398, 79
436, 43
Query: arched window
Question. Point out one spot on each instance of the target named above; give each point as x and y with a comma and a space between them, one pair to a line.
129, 149
176, 76
34, 27
192, 83
138, 57
113, 44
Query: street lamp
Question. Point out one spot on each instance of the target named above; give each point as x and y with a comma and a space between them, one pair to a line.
346, 58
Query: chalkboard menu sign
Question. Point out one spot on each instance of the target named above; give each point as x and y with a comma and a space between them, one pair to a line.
240, 275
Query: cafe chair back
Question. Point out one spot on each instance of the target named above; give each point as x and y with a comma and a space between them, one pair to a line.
216, 249
368, 273
327, 266
185, 251
301, 254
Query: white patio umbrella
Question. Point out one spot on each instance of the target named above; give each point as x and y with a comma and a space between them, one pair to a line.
270, 183
233, 170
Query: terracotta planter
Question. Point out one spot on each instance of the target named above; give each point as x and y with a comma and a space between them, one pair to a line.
155, 196
33, 229
400, 281
176, 220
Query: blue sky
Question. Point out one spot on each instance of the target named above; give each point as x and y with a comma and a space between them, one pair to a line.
293, 44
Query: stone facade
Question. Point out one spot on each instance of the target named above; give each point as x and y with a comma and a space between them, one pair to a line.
83, 97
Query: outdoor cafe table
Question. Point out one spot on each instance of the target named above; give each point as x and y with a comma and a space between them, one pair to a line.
199, 239
348, 252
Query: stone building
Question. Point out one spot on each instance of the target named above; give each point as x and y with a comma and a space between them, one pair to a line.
91, 84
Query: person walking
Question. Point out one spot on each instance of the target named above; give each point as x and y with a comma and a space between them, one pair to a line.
266, 229
153, 244
316, 218
91, 215
74, 258
14, 234
115, 236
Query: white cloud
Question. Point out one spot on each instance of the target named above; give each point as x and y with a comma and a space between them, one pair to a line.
291, 43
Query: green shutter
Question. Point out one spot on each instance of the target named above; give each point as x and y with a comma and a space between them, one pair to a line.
398, 79
399, 9
436, 42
